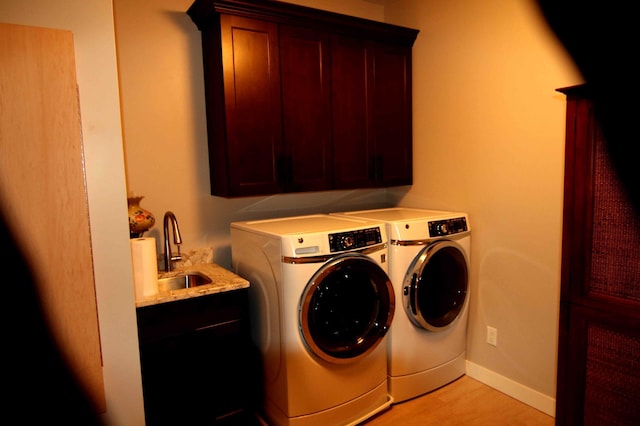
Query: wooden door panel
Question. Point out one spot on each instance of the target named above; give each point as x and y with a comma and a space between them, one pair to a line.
252, 104
615, 245
600, 382
350, 72
304, 61
43, 187
392, 120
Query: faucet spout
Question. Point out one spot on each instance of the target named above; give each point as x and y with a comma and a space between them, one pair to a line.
169, 217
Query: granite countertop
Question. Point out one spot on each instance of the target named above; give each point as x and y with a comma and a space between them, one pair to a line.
222, 280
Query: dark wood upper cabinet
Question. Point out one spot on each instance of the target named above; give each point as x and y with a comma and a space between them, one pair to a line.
599, 335
300, 99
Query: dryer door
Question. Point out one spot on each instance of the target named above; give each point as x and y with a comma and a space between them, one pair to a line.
346, 308
435, 287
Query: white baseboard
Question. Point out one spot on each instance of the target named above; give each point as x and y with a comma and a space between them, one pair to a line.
529, 396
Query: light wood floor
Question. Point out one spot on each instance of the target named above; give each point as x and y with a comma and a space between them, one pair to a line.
464, 402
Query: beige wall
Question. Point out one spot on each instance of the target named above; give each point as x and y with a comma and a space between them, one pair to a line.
92, 25
489, 140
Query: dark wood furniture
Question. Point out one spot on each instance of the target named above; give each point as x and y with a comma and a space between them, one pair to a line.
198, 363
599, 337
300, 99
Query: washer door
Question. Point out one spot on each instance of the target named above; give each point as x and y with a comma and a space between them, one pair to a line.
436, 284
346, 308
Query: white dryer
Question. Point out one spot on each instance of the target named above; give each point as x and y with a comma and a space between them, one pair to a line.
321, 305
429, 253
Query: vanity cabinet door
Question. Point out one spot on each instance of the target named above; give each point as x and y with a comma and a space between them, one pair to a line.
198, 363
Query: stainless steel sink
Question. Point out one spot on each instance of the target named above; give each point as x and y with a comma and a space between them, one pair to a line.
185, 280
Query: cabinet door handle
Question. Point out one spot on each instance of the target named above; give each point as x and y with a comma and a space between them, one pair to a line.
207, 327
375, 168
285, 168
372, 168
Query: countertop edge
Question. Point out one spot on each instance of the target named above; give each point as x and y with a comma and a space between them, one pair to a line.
222, 279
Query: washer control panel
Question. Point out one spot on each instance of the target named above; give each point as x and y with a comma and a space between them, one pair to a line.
440, 228
351, 240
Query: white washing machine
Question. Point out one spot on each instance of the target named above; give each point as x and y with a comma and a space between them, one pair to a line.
321, 305
429, 254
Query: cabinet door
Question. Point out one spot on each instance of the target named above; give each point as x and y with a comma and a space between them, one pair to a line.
306, 107
251, 73
391, 131
371, 100
198, 363
351, 76
200, 377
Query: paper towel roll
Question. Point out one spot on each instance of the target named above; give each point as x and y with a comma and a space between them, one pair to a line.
145, 267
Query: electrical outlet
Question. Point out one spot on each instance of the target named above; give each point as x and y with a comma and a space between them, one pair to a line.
492, 336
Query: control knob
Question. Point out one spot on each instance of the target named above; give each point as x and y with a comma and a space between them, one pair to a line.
347, 241
442, 228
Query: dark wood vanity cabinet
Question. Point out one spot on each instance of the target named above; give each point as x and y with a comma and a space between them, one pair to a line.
198, 365
300, 99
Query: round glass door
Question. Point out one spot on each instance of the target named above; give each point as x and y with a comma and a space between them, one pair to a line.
435, 287
346, 308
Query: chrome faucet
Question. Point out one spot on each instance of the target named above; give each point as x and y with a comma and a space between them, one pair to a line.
177, 240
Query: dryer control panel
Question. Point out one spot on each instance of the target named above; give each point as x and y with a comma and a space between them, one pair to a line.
351, 240
440, 228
